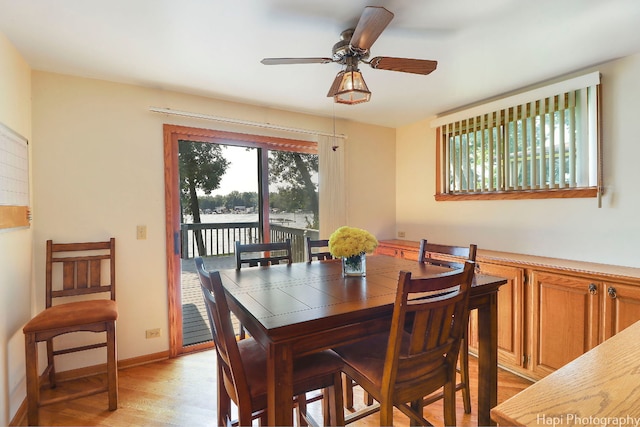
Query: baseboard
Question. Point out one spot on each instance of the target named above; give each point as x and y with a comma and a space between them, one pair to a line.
73, 374
20, 415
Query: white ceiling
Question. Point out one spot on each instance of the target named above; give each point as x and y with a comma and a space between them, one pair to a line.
214, 47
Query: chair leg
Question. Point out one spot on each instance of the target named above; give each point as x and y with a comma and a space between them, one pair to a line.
418, 407
449, 403
112, 366
224, 401
245, 417
464, 372
51, 367
33, 386
386, 413
336, 405
368, 399
302, 409
347, 385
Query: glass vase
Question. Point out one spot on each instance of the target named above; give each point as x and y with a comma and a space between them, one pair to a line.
354, 266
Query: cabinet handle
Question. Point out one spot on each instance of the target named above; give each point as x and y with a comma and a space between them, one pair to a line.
612, 292
593, 289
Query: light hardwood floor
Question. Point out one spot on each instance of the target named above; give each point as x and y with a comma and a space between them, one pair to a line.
181, 392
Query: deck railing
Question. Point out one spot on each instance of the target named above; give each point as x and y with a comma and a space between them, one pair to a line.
219, 238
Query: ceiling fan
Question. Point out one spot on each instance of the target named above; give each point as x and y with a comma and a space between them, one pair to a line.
348, 86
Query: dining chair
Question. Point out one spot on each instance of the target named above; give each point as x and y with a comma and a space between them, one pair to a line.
411, 361
73, 271
322, 253
260, 255
242, 366
452, 257
263, 254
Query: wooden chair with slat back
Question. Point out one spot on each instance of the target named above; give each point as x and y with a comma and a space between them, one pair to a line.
263, 254
452, 257
413, 360
323, 249
242, 366
260, 255
74, 270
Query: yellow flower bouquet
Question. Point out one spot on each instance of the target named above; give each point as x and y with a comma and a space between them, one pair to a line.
351, 244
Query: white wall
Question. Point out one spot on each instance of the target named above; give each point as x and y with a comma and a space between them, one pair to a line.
562, 228
15, 244
98, 171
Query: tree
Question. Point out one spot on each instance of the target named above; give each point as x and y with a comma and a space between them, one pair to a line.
295, 170
202, 166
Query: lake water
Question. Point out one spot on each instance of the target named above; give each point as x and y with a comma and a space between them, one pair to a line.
222, 242
293, 219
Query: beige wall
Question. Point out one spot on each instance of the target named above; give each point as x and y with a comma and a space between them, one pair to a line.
15, 244
98, 172
572, 228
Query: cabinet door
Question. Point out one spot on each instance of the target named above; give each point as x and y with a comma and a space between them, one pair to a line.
510, 314
565, 314
621, 307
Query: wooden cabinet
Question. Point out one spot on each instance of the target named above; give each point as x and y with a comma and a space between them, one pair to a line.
550, 311
571, 315
510, 314
565, 320
399, 248
621, 307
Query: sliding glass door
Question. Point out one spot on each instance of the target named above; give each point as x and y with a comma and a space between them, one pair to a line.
230, 187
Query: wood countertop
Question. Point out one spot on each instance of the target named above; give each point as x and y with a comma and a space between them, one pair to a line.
601, 387
614, 272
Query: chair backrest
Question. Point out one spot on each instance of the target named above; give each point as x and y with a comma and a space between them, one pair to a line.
234, 376
319, 255
438, 308
80, 269
446, 255
263, 254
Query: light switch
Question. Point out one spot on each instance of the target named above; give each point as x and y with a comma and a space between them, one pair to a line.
141, 232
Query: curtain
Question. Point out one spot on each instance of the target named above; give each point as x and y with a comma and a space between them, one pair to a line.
331, 185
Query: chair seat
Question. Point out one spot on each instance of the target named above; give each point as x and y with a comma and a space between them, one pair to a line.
73, 314
368, 357
307, 370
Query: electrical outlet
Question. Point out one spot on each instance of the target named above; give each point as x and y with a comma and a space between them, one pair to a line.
153, 333
141, 232
401, 234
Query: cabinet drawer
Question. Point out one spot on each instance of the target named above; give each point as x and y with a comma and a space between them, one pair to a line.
397, 252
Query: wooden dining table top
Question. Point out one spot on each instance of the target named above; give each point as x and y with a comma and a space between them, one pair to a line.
315, 294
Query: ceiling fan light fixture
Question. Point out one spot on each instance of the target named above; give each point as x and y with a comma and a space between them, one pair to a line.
351, 89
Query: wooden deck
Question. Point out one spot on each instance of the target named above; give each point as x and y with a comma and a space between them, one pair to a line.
194, 315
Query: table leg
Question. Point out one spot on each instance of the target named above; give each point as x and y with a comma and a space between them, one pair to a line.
487, 359
280, 385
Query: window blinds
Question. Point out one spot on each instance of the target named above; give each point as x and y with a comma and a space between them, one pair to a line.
539, 140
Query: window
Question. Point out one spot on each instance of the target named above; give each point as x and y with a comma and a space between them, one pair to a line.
539, 144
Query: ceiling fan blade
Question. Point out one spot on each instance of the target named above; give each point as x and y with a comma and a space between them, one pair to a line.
372, 23
405, 65
281, 61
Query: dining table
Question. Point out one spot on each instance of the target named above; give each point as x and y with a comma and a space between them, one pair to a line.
300, 308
